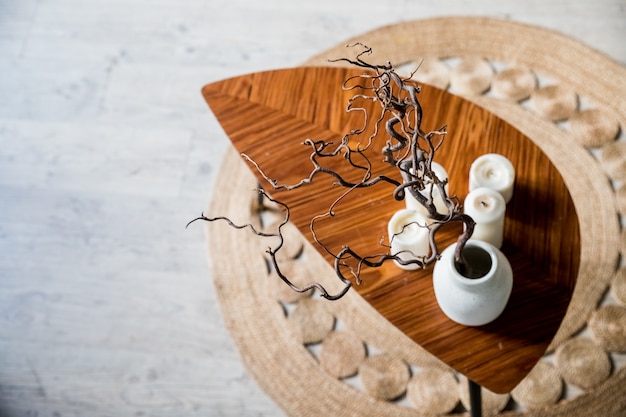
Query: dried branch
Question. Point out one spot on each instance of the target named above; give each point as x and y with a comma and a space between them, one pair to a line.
408, 148
272, 251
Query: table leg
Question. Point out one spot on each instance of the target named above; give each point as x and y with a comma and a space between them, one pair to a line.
475, 399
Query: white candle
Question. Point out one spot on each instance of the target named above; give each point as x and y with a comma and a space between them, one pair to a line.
486, 206
411, 202
408, 236
494, 171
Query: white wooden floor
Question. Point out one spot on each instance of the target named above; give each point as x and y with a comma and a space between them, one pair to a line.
107, 149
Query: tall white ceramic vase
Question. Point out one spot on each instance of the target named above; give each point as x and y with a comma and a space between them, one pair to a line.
473, 298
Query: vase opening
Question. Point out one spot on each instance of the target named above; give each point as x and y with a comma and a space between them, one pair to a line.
477, 262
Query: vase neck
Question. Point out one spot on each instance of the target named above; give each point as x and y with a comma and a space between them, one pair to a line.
479, 263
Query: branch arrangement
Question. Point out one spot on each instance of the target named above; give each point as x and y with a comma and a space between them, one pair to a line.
408, 148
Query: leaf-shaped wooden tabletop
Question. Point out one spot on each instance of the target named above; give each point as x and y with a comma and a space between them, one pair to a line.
268, 115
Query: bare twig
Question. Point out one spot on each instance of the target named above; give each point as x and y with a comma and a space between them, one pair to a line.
408, 148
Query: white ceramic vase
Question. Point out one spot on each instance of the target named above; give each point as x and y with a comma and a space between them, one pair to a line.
474, 298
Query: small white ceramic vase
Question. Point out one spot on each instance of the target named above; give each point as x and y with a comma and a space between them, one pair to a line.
473, 298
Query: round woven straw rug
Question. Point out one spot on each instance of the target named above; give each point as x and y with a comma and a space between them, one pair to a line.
316, 357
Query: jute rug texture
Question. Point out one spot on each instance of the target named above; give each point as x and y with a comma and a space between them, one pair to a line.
320, 358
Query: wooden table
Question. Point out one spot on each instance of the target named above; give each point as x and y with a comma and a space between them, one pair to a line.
268, 116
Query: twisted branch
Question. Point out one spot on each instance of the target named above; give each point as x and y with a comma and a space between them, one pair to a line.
408, 148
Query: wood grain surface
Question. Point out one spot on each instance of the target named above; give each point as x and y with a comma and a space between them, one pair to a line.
268, 115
